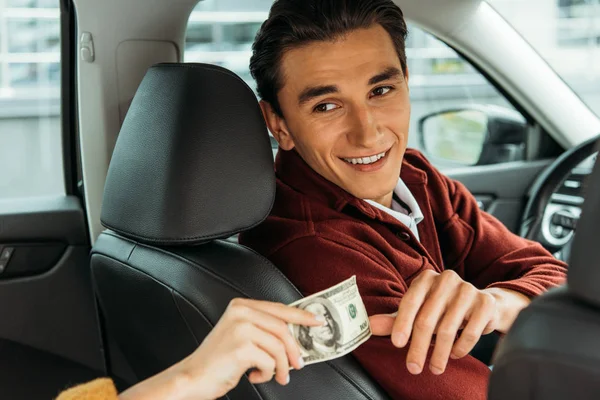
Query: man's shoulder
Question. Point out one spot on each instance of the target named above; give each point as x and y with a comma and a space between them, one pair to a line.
293, 217
419, 162
415, 157
416, 166
287, 230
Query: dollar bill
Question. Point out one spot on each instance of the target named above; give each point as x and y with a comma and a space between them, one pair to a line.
346, 323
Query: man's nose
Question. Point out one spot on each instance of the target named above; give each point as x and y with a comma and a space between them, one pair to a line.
363, 131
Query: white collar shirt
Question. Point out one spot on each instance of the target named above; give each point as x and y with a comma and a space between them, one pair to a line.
411, 217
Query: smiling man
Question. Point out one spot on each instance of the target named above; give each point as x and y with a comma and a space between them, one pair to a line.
353, 200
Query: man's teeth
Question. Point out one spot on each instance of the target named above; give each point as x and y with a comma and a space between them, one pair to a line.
365, 160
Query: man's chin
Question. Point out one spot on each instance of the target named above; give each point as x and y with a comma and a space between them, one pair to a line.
373, 187
371, 194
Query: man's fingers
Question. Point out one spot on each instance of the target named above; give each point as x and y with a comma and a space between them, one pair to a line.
382, 324
490, 327
288, 314
410, 305
422, 333
275, 348
448, 328
428, 318
478, 321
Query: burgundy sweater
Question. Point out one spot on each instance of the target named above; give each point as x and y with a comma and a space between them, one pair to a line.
319, 235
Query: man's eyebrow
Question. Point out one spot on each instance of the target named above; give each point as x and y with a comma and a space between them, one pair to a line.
389, 73
315, 91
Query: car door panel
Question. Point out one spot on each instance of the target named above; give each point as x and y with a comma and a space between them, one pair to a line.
47, 306
51, 218
501, 189
21, 260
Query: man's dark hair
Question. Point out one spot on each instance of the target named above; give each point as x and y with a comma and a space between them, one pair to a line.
293, 23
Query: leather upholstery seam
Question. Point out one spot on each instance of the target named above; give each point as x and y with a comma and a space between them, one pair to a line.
176, 240
350, 380
157, 281
269, 265
191, 263
173, 291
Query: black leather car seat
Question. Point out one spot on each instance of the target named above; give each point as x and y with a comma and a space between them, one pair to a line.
553, 349
192, 166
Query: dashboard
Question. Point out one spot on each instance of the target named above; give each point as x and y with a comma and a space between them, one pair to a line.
564, 209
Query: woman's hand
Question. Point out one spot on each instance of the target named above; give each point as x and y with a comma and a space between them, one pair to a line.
251, 334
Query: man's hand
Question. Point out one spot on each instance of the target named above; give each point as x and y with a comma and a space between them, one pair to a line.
443, 304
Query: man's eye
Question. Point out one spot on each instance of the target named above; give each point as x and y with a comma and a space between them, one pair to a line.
325, 107
380, 91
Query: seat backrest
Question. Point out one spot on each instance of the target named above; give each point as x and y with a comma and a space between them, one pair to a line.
553, 349
193, 166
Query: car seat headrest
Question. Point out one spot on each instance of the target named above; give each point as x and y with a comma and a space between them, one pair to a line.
583, 275
193, 160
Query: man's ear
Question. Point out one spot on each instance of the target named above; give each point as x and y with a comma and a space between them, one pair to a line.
277, 126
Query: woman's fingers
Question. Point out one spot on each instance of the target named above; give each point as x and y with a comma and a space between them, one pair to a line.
275, 327
275, 348
264, 364
288, 314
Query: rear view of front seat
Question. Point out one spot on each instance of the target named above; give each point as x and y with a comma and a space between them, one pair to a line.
192, 166
553, 349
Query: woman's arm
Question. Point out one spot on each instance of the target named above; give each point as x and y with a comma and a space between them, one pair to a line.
251, 334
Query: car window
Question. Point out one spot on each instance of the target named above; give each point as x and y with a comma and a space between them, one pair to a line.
30, 128
221, 32
452, 103
566, 33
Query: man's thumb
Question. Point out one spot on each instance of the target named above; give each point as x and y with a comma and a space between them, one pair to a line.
382, 324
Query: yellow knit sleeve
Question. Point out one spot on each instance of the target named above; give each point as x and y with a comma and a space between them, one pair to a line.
99, 389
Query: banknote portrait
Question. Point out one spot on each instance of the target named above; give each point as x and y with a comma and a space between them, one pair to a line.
321, 340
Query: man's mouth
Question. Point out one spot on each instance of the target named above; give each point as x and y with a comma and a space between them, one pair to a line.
371, 163
366, 160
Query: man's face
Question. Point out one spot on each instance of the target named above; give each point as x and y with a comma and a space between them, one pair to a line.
346, 111
323, 334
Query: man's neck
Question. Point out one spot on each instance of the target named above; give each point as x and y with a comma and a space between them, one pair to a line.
385, 201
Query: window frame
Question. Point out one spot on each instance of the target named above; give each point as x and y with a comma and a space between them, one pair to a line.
68, 92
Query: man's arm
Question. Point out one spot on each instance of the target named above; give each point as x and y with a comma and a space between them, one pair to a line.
317, 262
510, 268
498, 258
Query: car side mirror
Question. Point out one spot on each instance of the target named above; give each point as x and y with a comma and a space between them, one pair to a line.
474, 135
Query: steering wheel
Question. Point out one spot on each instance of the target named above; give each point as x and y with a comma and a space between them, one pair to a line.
547, 220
